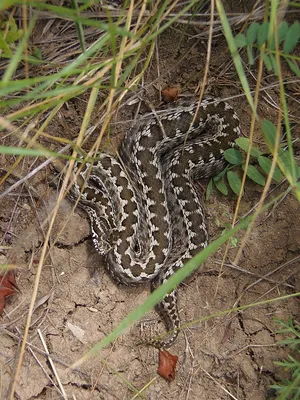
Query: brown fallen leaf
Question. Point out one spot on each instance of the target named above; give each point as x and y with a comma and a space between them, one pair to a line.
167, 365
8, 287
228, 332
170, 94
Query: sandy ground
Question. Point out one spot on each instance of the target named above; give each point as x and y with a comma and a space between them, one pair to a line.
78, 304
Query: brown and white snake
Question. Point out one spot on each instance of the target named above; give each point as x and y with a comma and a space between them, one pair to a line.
146, 217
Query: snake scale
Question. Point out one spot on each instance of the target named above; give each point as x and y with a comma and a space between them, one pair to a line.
146, 217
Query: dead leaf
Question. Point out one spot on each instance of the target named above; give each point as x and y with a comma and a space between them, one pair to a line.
8, 287
167, 365
170, 94
77, 332
228, 332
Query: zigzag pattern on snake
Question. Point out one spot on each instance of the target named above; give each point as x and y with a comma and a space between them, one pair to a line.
146, 217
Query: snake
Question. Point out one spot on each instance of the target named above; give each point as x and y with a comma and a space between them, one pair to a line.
147, 218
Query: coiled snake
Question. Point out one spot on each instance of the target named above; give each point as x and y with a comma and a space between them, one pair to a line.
146, 217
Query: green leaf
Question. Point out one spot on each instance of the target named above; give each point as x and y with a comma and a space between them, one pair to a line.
37, 53
4, 46
208, 190
293, 65
240, 40
287, 164
16, 57
234, 182
4, 4
282, 31
220, 175
250, 55
255, 175
243, 143
286, 161
234, 241
252, 33
12, 25
269, 132
281, 34
14, 36
274, 64
233, 156
292, 38
262, 33
265, 164
267, 61
220, 185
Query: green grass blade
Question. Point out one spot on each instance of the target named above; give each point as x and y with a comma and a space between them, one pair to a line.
21, 151
235, 55
79, 28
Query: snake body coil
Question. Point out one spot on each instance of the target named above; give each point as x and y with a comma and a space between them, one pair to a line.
146, 217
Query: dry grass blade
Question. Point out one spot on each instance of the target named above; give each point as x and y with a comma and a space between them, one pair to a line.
52, 365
